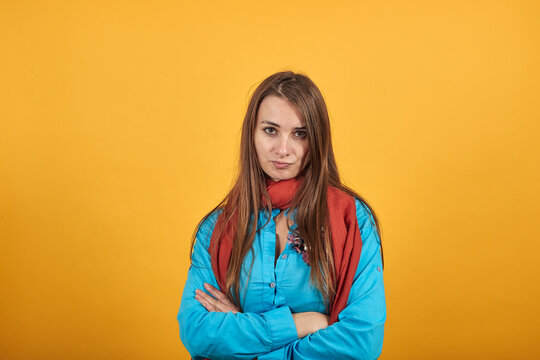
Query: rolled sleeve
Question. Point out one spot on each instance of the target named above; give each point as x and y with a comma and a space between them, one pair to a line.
282, 327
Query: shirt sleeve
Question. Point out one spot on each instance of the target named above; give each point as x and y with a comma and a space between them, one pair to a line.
359, 331
219, 335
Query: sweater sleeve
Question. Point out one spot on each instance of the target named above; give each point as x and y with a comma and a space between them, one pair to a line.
219, 335
359, 331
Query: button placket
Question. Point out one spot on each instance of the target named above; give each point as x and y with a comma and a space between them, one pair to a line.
268, 254
271, 250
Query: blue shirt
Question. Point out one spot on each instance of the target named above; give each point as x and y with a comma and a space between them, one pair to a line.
266, 328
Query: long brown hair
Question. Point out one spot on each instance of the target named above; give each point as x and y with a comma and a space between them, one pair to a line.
319, 172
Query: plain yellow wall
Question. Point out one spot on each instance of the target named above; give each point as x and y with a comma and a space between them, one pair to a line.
119, 130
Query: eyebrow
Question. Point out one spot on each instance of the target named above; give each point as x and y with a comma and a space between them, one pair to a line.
276, 125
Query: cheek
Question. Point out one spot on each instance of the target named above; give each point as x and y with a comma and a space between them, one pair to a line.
259, 146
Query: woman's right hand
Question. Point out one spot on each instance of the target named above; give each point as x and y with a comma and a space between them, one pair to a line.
309, 322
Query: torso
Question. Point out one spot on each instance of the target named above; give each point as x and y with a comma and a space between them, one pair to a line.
289, 275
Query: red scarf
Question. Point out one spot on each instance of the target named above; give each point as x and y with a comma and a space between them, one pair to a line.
346, 241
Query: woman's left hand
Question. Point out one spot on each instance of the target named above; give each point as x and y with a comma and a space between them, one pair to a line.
219, 302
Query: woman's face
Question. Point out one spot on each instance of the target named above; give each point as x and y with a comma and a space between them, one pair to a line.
280, 138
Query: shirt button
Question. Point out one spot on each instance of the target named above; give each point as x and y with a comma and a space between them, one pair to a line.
284, 256
378, 268
272, 284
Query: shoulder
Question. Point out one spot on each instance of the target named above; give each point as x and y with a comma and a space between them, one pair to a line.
364, 214
362, 209
366, 222
206, 226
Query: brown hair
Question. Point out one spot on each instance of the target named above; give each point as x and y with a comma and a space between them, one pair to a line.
319, 172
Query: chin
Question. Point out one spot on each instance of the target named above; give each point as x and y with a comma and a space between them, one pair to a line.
283, 177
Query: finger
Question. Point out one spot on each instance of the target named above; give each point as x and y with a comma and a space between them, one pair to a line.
217, 294
205, 303
209, 305
207, 297
202, 302
224, 303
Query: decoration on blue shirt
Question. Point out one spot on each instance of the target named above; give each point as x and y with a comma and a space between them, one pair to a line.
296, 243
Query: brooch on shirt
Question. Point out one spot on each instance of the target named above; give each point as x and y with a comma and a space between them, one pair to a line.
296, 243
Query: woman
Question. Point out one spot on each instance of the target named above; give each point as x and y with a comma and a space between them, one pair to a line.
303, 278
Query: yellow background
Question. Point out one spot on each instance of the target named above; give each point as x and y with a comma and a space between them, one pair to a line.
119, 130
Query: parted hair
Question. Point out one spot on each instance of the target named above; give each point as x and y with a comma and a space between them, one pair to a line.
244, 199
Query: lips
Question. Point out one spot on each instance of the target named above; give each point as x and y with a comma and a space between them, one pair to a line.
280, 165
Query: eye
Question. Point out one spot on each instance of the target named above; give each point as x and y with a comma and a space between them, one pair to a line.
300, 133
269, 130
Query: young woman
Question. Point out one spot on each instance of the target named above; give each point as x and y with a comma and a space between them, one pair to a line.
289, 264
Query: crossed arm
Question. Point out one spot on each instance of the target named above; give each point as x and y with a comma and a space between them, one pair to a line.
211, 327
305, 322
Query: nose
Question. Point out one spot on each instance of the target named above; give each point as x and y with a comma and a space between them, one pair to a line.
283, 146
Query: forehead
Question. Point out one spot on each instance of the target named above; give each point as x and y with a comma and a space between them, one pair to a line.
280, 111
